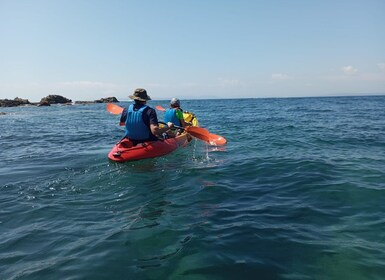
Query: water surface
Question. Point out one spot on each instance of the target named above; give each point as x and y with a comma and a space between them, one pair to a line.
298, 193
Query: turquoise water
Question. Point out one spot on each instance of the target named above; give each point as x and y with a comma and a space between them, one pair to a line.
298, 193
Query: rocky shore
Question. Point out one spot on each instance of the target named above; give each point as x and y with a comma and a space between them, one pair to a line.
51, 99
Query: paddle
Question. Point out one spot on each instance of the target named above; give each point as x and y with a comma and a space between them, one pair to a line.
160, 108
217, 140
114, 109
203, 134
198, 132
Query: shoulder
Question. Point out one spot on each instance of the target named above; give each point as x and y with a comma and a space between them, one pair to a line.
149, 110
151, 113
179, 112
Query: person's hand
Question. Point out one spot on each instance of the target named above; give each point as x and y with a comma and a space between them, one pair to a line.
170, 125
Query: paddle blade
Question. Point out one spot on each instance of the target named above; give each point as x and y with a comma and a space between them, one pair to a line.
217, 140
198, 132
203, 134
114, 109
160, 108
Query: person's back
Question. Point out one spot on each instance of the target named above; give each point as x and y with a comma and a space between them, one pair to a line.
174, 114
140, 120
137, 120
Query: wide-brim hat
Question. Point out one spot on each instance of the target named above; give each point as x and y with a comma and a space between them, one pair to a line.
140, 94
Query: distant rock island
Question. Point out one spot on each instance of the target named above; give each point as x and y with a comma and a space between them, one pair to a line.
51, 99
101, 100
15, 102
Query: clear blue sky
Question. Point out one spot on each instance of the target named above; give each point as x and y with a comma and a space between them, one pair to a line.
89, 49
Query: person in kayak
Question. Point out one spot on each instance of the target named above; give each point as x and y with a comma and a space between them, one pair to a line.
174, 114
141, 121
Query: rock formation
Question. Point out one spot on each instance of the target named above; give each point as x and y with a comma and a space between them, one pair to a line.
52, 99
101, 100
55, 99
13, 103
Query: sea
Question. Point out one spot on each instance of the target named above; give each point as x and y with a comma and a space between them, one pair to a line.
297, 193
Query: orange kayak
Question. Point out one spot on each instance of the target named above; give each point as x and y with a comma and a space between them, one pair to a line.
125, 151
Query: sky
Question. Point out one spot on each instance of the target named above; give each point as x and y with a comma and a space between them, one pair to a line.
198, 49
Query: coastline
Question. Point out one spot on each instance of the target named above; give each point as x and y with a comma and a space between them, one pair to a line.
50, 100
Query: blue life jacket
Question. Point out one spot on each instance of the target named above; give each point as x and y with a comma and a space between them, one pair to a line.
136, 129
170, 116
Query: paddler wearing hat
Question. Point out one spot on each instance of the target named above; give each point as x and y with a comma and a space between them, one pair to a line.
141, 120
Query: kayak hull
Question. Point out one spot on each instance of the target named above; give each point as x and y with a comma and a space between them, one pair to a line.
124, 150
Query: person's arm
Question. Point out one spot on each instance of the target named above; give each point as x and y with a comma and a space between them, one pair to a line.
156, 130
183, 123
154, 126
179, 114
123, 117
